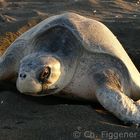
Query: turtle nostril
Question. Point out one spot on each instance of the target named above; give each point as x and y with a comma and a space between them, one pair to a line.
22, 75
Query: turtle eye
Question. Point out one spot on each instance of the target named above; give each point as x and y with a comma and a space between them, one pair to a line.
45, 74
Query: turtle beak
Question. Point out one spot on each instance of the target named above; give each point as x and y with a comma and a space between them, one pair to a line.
47, 91
26, 84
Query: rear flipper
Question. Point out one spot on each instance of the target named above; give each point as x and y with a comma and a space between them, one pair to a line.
111, 96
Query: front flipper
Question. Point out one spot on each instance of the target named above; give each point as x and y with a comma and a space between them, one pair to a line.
10, 60
111, 95
7, 72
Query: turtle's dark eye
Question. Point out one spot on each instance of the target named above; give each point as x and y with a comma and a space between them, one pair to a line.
45, 74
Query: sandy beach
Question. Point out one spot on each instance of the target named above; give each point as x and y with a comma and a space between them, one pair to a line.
51, 118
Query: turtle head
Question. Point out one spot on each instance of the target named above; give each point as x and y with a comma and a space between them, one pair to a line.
40, 75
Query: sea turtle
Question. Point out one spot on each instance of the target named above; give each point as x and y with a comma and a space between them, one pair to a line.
74, 56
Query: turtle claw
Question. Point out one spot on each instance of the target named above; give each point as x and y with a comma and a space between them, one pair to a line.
136, 125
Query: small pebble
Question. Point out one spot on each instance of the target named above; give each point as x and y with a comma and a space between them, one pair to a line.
134, 15
94, 11
1, 102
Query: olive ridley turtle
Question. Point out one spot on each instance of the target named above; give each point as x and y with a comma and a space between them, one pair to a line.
73, 56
